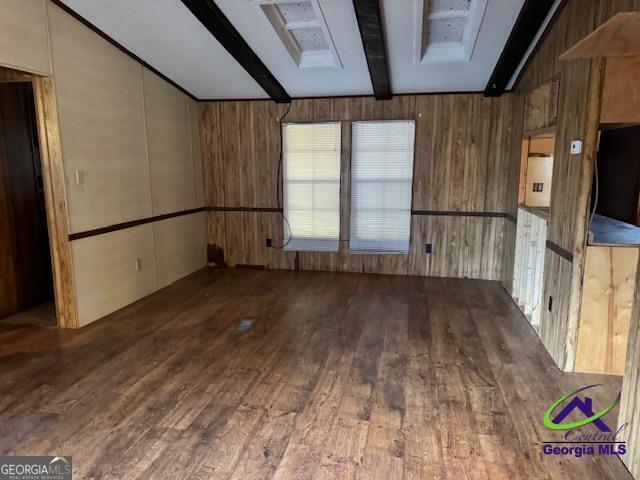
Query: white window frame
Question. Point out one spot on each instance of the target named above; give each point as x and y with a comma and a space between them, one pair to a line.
303, 244
358, 249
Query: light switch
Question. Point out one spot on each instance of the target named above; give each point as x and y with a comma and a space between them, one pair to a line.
138, 264
80, 177
576, 147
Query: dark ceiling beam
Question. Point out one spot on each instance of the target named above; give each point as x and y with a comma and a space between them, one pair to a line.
370, 24
529, 22
208, 13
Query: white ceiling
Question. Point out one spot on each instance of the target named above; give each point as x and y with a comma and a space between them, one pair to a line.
167, 36
407, 76
352, 79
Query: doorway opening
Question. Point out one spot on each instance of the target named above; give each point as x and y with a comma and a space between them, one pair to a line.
534, 200
26, 279
612, 252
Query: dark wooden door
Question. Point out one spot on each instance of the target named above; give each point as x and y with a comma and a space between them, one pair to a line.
25, 264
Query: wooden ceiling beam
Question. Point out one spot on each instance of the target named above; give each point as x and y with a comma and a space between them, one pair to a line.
370, 25
529, 22
208, 13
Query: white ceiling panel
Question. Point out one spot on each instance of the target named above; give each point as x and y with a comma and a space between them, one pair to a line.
349, 75
413, 72
168, 37
313, 47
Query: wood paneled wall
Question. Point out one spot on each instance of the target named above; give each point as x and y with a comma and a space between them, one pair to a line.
463, 143
575, 21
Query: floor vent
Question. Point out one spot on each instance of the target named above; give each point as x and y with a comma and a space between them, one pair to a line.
245, 325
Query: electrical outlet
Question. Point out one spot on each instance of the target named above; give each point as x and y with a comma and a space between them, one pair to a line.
429, 248
79, 177
138, 264
550, 304
269, 242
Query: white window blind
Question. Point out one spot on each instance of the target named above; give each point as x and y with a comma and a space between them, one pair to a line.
311, 157
381, 186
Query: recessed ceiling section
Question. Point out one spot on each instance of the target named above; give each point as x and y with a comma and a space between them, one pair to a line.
331, 64
447, 30
422, 60
303, 31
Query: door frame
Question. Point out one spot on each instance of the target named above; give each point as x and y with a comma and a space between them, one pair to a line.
55, 193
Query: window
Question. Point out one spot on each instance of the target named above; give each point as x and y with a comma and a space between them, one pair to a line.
311, 156
381, 181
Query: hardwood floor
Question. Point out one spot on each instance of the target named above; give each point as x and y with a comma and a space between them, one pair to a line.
341, 376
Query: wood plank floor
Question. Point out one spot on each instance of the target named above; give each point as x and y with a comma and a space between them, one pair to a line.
341, 376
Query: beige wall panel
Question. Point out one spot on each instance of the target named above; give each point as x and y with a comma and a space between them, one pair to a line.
169, 138
106, 272
180, 247
24, 38
196, 153
101, 110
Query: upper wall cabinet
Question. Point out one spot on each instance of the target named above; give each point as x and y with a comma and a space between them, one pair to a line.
24, 40
170, 151
101, 109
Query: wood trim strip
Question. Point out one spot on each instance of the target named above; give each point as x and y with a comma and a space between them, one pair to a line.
214, 20
96, 30
133, 223
529, 22
432, 213
560, 251
444, 213
370, 26
244, 209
